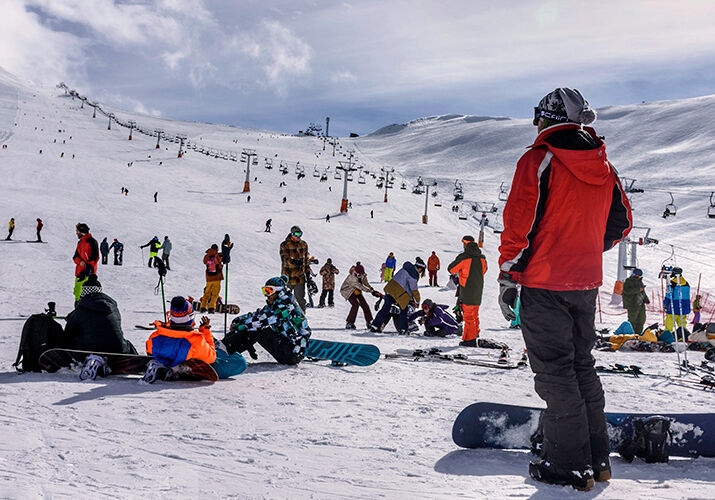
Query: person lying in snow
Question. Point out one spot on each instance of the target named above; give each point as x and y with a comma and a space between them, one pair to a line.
436, 320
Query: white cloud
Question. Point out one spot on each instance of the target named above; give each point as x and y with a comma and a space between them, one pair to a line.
343, 76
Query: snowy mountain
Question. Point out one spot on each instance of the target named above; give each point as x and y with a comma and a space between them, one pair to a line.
311, 431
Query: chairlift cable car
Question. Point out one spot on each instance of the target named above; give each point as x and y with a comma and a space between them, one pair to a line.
670, 208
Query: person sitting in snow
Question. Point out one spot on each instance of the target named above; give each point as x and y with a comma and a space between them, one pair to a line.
280, 327
176, 341
436, 320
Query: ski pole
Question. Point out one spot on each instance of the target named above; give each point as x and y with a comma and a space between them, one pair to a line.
225, 305
161, 269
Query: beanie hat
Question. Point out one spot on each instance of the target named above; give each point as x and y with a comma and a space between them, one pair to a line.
427, 302
564, 105
295, 229
91, 285
637, 272
467, 238
181, 312
359, 268
83, 228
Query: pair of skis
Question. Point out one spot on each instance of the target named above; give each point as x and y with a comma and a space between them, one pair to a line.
436, 354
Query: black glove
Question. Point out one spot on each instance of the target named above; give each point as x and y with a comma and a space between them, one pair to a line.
507, 295
376, 294
84, 273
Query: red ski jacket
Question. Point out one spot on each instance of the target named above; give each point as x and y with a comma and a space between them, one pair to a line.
87, 251
565, 208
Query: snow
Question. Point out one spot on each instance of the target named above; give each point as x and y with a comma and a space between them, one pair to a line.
311, 431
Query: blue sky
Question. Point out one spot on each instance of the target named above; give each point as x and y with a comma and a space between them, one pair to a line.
282, 64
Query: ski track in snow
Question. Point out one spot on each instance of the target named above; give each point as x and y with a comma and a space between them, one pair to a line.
312, 431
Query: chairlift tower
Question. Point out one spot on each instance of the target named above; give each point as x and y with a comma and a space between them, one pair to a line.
427, 186
111, 117
132, 124
158, 133
94, 105
246, 156
628, 258
181, 139
346, 167
387, 172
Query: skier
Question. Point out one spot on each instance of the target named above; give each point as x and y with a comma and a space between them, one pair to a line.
268, 226
390, 264
10, 228
432, 268
176, 341
295, 263
166, 252
85, 257
677, 303
39, 227
213, 261
118, 248
469, 266
327, 218
280, 327
400, 292
95, 324
351, 289
104, 250
155, 196
566, 206
436, 320
635, 299
154, 247
328, 272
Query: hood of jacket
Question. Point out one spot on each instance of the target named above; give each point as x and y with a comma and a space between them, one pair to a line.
588, 165
411, 269
472, 250
99, 303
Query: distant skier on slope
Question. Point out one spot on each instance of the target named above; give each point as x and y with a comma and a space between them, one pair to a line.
118, 248
268, 226
10, 228
38, 228
566, 206
104, 250
166, 252
154, 247
280, 327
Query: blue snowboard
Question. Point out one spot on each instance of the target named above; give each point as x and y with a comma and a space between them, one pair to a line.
494, 425
343, 352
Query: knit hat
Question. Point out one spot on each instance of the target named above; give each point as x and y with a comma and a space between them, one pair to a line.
181, 312
637, 272
564, 105
91, 285
467, 238
427, 303
295, 229
83, 228
359, 268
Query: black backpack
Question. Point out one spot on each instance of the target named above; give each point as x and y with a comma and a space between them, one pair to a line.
40, 333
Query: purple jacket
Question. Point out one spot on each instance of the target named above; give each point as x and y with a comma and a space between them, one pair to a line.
439, 318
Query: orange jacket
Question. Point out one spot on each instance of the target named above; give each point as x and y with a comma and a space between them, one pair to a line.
172, 347
433, 263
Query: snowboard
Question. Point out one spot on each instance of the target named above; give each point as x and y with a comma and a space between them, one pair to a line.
495, 425
343, 352
125, 364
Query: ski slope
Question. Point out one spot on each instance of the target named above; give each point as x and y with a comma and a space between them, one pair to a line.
311, 431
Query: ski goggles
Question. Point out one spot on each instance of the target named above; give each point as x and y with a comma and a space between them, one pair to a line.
297, 234
269, 290
542, 113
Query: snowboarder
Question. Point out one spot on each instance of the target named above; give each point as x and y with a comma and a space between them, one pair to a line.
280, 327
104, 250
155, 196
436, 320
154, 247
10, 228
39, 227
85, 257
295, 263
118, 248
213, 260
469, 266
166, 252
635, 299
432, 268
677, 303
176, 341
390, 264
328, 272
95, 324
372, 215
327, 218
351, 289
400, 292
268, 226
578, 209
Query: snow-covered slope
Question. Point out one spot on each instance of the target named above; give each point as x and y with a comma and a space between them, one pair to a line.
311, 431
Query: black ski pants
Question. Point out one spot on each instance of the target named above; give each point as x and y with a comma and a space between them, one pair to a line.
559, 333
329, 294
277, 345
104, 257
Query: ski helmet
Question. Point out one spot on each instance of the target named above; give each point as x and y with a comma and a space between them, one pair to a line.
274, 285
637, 272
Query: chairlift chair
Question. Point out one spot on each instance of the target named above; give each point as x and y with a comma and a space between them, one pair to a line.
316, 172
670, 208
361, 178
337, 175
269, 163
503, 192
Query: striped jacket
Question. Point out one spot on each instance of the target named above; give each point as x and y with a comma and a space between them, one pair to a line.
565, 208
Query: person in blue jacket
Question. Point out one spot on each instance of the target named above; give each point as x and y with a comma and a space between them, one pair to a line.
677, 302
390, 265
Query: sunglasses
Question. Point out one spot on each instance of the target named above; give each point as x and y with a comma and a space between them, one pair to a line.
268, 290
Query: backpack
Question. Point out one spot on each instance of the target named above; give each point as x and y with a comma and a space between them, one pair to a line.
40, 333
212, 265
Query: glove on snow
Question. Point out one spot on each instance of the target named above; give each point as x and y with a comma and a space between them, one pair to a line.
507, 295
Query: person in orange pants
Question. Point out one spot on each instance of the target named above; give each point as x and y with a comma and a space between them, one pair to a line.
470, 266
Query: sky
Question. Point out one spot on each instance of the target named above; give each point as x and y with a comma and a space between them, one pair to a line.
283, 64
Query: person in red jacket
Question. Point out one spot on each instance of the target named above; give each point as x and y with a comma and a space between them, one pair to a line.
39, 228
565, 208
432, 268
85, 257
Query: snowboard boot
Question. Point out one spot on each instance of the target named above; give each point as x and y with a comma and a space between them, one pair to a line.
94, 365
350, 326
211, 310
602, 470
155, 371
468, 343
375, 329
546, 472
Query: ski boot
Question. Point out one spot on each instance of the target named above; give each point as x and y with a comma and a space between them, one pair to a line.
546, 472
94, 365
468, 343
154, 371
503, 356
350, 326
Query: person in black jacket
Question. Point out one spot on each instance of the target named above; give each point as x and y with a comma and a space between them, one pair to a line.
95, 324
104, 250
